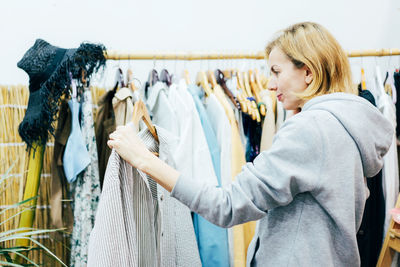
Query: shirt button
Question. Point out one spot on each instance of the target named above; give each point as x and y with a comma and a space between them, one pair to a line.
162, 233
162, 197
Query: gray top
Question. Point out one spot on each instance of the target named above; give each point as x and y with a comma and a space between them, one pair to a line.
308, 189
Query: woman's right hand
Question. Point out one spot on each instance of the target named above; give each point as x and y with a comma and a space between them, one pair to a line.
129, 146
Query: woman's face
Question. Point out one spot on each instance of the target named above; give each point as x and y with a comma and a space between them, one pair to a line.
286, 78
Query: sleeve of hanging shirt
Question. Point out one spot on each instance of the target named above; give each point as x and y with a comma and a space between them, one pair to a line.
291, 166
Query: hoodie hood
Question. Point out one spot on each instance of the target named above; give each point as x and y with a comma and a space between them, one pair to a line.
370, 130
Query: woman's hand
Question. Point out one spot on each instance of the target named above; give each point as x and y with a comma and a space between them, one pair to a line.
129, 146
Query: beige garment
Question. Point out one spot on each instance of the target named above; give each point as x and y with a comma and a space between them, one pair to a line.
243, 233
123, 106
268, 130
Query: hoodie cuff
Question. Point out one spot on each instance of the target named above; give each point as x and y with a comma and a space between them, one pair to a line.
185, 190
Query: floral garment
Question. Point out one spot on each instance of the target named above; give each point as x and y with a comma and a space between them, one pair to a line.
86, 189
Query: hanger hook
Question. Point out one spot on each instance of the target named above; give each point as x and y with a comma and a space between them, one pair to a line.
154, 61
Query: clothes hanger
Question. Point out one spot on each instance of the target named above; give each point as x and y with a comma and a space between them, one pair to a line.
253, 105
140, 113
258, 79
211, 78
221, 81
165, 77
243, 95
247, 84
186, 76
232, 74
201, 79
363, 83
256, 90
363, 80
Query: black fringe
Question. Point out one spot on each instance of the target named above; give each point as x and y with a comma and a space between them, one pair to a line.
88, 57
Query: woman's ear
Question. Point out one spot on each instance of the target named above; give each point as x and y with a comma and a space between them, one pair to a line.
309, 76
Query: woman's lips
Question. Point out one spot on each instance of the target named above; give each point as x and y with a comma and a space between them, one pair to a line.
279, 97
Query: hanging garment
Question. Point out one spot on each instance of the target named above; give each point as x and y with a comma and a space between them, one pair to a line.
396, 77
60, 212
86, 189
123, 106
212, 240
242, 234
288, 190
220, 124
253, 132
104, 126
370, 234
76, 157
137, 222
233, 87
390, 172
170, 113
268, 129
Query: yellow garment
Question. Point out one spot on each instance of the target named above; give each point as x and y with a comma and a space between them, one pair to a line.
242, 234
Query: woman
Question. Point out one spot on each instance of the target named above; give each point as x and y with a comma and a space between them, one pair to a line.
308, 190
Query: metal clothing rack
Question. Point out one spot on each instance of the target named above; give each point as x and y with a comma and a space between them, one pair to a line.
115, 55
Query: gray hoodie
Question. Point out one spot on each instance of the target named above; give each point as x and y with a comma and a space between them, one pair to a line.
308, 189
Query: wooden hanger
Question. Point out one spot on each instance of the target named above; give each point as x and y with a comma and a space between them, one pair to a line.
363, 83
201, 79
227, 73
221, 81
256, 90
140, 113
253, 104
211, 78
240, 81
186, 76
258, 79
244, 96
247, 84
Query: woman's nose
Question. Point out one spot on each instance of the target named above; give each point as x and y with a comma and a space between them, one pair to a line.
272, 84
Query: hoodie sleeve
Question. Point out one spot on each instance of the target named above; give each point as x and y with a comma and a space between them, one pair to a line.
291, 166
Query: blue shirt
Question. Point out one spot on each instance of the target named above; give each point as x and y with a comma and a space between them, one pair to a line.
212, 240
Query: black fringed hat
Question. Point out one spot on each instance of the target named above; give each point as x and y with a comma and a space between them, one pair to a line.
48, 68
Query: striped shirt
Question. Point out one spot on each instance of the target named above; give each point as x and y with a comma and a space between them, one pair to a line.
137, 222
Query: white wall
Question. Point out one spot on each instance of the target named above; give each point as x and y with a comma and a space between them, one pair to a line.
205, 26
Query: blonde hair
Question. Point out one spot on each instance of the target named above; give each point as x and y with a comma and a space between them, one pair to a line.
310, 44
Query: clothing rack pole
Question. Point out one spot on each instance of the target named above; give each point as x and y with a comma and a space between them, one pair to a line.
114, 55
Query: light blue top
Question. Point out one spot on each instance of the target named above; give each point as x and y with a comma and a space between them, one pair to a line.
76, 156
212, 240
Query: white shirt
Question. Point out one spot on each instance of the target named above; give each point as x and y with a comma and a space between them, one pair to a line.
390, 171
170, 113
222, 128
